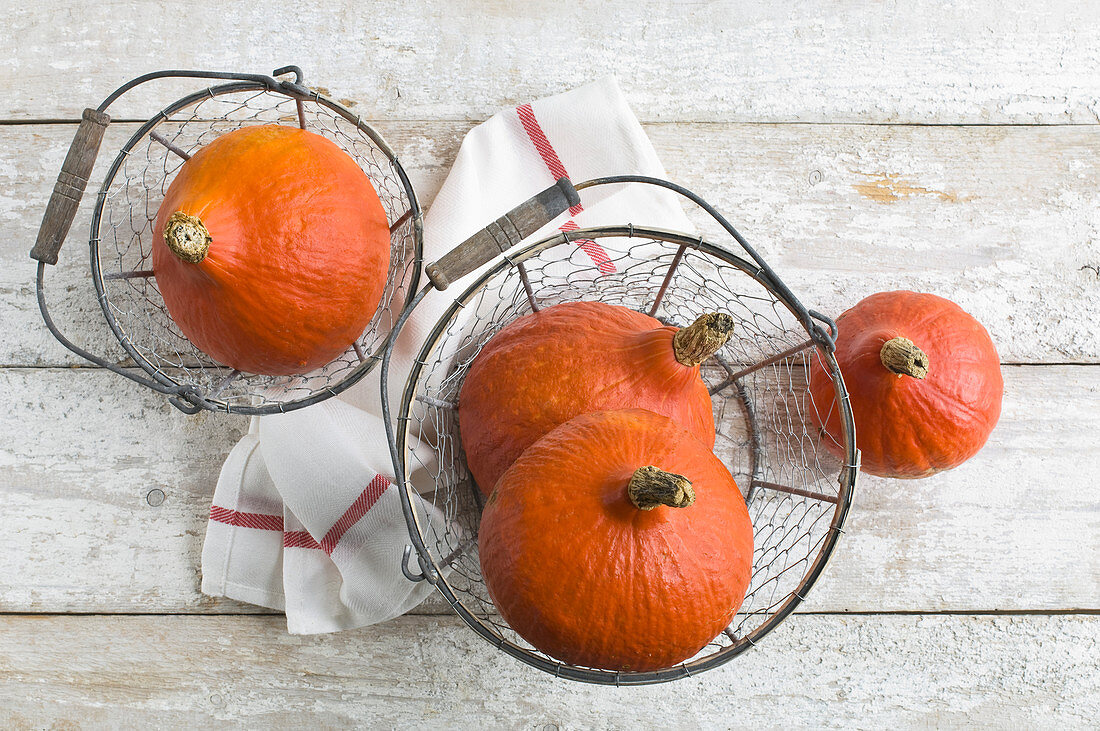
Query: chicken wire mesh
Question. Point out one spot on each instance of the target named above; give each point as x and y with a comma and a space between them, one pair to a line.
122, 236
797, 492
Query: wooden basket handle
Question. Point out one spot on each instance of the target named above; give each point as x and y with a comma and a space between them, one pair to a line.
70, 185
503, 233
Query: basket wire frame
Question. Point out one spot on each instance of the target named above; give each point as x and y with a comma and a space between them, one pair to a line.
122, 235
797, 493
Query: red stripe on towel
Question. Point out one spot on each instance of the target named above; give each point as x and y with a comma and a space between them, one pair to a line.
557, 170
545, 149
259, 521
590, 247
351, 516
299, 539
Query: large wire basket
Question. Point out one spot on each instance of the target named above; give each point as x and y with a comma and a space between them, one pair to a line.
122, 235
797, 493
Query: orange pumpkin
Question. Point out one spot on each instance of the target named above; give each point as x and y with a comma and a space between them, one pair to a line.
568, 359
617, 541
271, 250
924, 381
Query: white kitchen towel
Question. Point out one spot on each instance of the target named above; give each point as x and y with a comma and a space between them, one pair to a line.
305, 517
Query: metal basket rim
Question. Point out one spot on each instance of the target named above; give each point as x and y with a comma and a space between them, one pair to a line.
197, 400
430, 569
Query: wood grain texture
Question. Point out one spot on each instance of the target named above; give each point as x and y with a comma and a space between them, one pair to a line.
856, 60
995, 524
82, 450
502, 235
1031, 672
1003, 220
104, 488
69, 188
1016, 528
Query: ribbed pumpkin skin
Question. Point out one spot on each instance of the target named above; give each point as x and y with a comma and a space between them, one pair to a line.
908, 427
568, 359
585, 576
299, 257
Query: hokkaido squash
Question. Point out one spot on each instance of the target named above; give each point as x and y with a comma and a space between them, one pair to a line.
617, 541
571, 358
924, 380
271, 250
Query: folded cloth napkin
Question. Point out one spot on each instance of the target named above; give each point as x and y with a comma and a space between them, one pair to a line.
305, 518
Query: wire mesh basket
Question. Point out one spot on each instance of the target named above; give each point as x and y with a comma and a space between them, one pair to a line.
797, 493
122, 233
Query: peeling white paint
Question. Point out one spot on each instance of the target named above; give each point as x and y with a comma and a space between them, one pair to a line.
853, 61
1031, 672
1005, 220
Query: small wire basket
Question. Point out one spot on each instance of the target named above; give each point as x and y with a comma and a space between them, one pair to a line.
122, 233
797, 493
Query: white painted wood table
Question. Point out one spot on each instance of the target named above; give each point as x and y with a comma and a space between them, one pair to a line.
861, 145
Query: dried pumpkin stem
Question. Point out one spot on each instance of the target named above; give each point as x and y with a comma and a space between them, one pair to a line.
187, 237
902, 357
651, 486
703, 338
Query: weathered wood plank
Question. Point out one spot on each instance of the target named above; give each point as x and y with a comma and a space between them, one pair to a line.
989, 533
1034, 672
82, 450
720, 61
1003, 220
1017, 527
